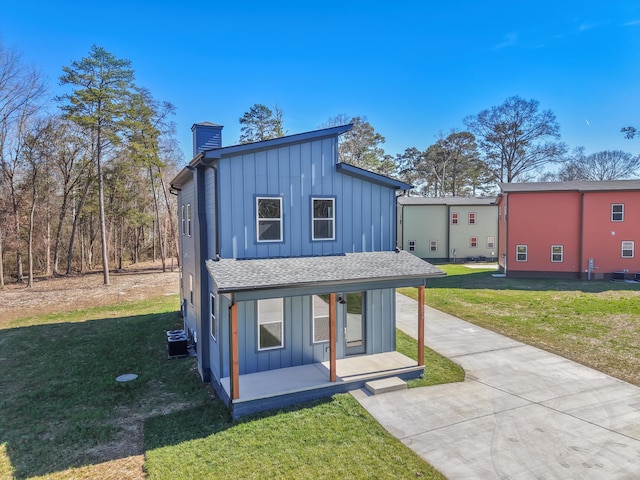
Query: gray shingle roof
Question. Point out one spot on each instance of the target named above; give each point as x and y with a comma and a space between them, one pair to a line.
446, 200
237, 275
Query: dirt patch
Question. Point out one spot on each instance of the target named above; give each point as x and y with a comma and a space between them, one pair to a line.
67, 293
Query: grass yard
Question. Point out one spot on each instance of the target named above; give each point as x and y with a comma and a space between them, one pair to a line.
595, 323
63, 415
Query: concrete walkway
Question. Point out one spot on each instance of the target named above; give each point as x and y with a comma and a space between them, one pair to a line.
522, 413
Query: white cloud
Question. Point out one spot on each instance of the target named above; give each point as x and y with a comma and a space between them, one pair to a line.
509, 40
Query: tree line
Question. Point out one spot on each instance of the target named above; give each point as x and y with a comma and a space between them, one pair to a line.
84, 175
515, 141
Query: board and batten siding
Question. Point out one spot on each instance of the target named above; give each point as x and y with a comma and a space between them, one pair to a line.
186, 197
299, 348
364, 212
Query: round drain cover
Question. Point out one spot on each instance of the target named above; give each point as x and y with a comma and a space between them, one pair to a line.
127, 377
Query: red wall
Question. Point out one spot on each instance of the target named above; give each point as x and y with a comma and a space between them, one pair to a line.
539, 220
603, 238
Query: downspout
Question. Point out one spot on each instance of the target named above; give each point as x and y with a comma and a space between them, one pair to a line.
506, 234
449, 253
581, 248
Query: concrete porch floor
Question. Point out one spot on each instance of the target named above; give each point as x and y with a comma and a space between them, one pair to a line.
292, 380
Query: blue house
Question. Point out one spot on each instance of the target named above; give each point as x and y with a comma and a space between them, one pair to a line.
289, 268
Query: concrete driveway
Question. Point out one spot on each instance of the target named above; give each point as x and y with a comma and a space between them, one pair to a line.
521, 413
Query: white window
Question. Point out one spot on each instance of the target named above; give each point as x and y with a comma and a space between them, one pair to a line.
521, 253
617, 212
191, 289
472, 218
189, 219
323, 214
491, 242
412, 245
454, 218
184, 221
214, 323
433, 245
628, 248
557, 253
269, 219
270, 323
320, 305
473, 242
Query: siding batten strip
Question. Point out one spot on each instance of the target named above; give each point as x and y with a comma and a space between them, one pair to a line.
421, 325
332, 337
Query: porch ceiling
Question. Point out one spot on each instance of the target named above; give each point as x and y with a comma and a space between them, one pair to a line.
400, 268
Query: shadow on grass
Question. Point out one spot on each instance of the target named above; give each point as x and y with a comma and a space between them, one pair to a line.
485, 280
61, 406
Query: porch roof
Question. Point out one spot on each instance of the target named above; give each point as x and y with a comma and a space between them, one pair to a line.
400, 268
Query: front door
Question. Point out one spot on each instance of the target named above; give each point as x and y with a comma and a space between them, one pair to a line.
354, 324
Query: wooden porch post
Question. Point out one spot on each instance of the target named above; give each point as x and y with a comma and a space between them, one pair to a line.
421, 325
332, 337
235, 376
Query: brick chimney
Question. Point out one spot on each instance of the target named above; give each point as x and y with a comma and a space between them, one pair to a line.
206, 135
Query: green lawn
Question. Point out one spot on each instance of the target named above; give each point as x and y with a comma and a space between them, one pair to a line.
63, 415
595, 323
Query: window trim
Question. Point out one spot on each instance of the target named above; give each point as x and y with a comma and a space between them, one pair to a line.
332, 219
280, 321
472, 218
183, 220
412, 245
213, 318
280, 219
473, 242
561, 253
632, 249
188, 219
313, 323
455, 218
621, 212
525, 253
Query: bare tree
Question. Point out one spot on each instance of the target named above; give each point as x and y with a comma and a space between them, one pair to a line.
516, 138
600, 166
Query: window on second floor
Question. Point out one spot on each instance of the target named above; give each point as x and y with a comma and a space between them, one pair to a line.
628, 248
269, 219
189, 219
455, 218
472, 218
617, 212
183, 220
557, 253
522, 253
323, 218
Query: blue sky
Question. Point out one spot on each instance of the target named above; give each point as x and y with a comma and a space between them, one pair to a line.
413, 68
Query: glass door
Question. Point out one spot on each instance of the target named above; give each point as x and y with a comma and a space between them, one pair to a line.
354, 324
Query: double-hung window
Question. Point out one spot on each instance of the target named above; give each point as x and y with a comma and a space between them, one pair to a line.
472, 218
324, 218
557, 253
628, 248
455, 217
269, 219
433, 245
522, 253
183, 219
491, 242
412, 245
617, 212
473, 242
320, 305
270, 323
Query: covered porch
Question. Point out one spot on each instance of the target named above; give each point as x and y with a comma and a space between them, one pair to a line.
277, 388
